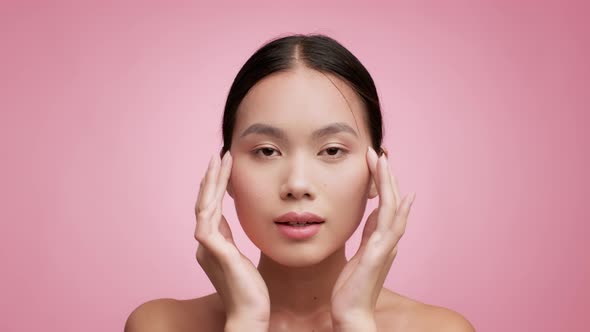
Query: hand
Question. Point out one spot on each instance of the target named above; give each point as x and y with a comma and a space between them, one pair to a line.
233, 275
355, 293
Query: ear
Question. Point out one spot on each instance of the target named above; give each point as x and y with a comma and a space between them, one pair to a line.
373, 189
230, 190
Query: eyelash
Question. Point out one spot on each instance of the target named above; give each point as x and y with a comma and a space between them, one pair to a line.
257, 152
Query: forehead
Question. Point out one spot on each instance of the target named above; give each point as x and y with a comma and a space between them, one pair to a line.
301, 99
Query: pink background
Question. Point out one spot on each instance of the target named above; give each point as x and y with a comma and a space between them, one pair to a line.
110, 112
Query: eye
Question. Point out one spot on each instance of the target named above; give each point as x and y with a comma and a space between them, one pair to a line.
264, 152
334, 152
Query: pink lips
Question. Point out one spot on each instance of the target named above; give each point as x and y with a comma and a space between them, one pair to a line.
299, 217
313, 221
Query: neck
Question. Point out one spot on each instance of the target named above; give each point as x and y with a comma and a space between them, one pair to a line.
301, 291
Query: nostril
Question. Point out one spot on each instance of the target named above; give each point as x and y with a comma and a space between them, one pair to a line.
294, 196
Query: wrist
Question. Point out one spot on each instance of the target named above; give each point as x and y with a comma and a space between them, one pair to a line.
354, 323
235, 324
355, 327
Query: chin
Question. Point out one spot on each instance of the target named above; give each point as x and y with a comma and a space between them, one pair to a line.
298, 258
296, 261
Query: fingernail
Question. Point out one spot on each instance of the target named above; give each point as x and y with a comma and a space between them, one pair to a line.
225, 157
372, 154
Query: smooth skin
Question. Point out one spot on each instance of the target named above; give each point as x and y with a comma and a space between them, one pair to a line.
355, 293
358, 290
235, 278
311, 284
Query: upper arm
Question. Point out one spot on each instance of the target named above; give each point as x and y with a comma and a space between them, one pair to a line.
152, 316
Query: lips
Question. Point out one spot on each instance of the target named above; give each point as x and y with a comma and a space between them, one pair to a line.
299, 218
299, 226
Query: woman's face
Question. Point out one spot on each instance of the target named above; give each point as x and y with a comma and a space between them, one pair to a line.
299, 144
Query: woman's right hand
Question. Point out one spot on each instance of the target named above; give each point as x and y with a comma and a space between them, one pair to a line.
237, 281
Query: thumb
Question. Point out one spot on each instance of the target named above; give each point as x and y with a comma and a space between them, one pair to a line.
225, 230
370, 227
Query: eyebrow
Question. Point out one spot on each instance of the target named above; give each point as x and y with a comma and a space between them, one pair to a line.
268, 130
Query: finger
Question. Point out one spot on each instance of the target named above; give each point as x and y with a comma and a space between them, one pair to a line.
210, 184
387, 266
198, 205
368, 230
401, 219
201, 185
393, 238
208, 190
396, 191
225, 230
400, 223
385, 252
372, 159
393, 253
223, 178
387, 203
221, 186
395, 186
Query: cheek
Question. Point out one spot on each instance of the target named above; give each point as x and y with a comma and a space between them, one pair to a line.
250, 185
344, 183
348, 190
348, 180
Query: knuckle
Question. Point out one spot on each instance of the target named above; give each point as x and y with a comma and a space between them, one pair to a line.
203, 214
200, 236
391, 256
381, 259
398, 231
407, 211
393, 253
387, 204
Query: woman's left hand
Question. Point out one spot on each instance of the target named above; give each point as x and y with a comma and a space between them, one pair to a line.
355, 293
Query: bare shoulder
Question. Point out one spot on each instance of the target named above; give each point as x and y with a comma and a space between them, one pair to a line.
171, 315
446, 320
401, 313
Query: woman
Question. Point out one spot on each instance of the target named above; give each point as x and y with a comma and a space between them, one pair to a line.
301, 127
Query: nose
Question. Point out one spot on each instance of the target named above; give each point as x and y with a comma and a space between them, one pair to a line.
298, 182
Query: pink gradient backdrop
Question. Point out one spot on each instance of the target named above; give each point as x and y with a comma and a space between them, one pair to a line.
110, 111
